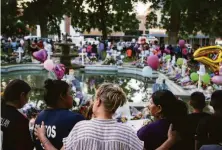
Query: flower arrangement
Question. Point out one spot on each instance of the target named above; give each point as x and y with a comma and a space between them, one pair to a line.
109, 61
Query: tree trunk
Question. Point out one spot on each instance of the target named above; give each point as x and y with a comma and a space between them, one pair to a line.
172, 38
58, 32
103, 20
44, 30
104, 34
174, 27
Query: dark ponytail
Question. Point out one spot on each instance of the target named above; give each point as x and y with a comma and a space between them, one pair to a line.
53, 90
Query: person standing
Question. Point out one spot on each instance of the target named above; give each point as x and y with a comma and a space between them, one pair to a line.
197, 101
209, 130
100, 50
14, 125
94, 48
57, 117
102, 132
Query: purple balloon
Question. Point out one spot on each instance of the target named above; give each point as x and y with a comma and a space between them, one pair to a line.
59, 71
153, 62
40, 55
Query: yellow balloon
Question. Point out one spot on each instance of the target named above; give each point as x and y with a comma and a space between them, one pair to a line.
202, 55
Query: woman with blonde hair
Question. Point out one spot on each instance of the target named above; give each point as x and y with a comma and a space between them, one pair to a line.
102, 132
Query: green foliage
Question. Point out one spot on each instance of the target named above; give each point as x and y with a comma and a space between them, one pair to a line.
127, 59
48, 13
106, 16
9, 19
185, 17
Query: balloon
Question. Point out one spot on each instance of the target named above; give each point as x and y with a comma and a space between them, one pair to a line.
202, 55
194, 76
184, 51
180, 61
206, 78
59, 71
217, 80
167, 57
153, 62
40, 55
182, 43
147, 71
49, 65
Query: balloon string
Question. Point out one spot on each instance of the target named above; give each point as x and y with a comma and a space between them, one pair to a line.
52, 75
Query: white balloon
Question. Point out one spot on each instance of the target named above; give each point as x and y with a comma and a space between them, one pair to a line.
147, 71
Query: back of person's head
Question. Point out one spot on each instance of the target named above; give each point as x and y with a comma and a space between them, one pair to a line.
164, 100
216, 101
181, 108
197, 100
179, 118
112, 96
55, 90
16, 92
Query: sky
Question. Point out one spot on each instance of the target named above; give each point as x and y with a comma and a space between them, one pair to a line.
141, 8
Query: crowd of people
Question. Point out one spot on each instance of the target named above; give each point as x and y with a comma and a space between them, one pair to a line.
28, 45
58, 128
131, 49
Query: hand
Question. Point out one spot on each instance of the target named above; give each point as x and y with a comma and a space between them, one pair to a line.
40, 132
173, 135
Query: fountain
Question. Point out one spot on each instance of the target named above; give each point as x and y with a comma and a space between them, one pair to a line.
65, 56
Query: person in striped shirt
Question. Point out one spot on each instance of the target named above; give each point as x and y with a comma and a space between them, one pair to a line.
102, 132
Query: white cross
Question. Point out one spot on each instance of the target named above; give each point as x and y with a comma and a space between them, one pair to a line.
201, 72
173, 60
83, 54
48, 48
20, 51
142, 55
114, 54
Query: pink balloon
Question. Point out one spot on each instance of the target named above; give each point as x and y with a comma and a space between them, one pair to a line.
40, 55
184, 51
182, 43
49, 65
59, 71
153, 62
217, 80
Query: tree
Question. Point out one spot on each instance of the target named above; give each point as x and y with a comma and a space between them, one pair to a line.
208, 17
9, 18
106, 16
171, 15
48, 14
185, 17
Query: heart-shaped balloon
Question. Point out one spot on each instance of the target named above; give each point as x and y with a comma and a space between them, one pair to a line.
59, 71
40, 55
49, 65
